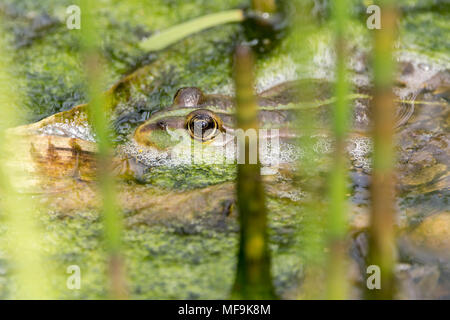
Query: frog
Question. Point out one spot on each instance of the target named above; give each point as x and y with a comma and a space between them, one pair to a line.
172, 131
60, 159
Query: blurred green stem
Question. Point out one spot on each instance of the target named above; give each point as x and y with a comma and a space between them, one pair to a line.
253, 276
309, 178
98, 111
382, 239
23, 239
336, 275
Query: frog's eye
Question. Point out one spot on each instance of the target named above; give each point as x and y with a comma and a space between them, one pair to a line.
203, 125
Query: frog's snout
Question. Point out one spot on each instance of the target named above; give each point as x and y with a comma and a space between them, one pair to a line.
141, 132
154, 135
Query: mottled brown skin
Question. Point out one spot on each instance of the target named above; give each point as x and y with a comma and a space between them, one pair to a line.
61, 159
276, 110
222, 109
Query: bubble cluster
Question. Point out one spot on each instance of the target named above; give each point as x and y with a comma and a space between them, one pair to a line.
69, 129
183, 154
293, 195
323, 145
360, 150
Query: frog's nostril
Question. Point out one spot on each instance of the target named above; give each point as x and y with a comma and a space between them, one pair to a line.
188, 97
161, 124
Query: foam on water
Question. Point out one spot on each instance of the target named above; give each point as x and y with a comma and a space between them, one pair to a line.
360, 150
323, 145
182, 155
293, 195
69, 129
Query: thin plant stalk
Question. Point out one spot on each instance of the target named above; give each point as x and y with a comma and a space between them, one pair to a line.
312, 207
336, 275
173, 34
382, 238
98, 111
253, 276
23, 237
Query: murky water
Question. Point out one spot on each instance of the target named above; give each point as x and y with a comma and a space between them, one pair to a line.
181, 239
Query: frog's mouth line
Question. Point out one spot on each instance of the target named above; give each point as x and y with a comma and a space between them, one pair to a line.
277, 152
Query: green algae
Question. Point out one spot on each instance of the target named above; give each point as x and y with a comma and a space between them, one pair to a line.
428, 33
50, 60
161, 262
172, 261
186, 177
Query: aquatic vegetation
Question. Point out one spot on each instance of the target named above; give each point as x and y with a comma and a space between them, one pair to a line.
337, 219
179, 235
253, 274
382, 238
24, 256
97, 112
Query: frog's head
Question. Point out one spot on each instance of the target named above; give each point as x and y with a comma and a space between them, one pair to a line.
192, 116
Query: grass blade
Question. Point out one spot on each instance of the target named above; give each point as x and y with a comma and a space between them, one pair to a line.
336, 275
98, 110
173, 34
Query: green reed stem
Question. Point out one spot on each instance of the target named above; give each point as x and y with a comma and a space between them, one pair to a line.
337, 227
309, 179
382, 239
18, 212
253, 276
173, 34
98, 111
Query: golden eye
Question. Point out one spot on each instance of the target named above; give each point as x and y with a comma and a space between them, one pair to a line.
202, 125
